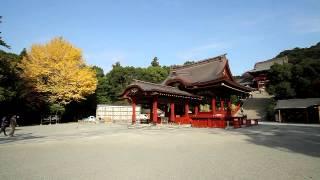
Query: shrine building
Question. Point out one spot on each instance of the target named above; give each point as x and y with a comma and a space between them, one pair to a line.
197, 94
259, 73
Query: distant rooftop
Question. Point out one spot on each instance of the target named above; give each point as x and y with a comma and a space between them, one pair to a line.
297, 103
266, 65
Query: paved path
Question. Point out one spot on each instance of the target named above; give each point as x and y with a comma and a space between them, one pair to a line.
70, 151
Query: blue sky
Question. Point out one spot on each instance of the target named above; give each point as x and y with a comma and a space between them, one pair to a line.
133, 32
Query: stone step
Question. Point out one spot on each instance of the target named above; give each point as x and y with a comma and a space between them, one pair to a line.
255, 107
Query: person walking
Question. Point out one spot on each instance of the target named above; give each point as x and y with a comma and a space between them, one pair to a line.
13, 124
3, 125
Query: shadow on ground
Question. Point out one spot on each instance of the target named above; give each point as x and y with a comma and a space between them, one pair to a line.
19, 138
298, 139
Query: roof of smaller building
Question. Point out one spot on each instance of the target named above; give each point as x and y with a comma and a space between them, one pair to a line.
297, 103
152, 87
266, 65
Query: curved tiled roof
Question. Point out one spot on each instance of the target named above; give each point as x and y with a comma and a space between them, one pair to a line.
297, 103
160, 88
266, 65
201, 71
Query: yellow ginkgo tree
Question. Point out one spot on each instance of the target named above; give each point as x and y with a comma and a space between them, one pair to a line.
57, 70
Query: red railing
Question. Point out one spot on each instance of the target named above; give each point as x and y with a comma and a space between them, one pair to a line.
210, 120
183, 120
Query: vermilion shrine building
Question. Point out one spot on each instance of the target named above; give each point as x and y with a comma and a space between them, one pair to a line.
207, 82
259, 73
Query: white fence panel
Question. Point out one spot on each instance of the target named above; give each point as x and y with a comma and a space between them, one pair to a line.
116, 114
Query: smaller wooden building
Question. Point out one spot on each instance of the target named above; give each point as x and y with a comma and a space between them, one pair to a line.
298, 110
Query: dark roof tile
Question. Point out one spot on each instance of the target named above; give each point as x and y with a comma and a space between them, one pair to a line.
201, 71
266, 65
152, 87
297, 103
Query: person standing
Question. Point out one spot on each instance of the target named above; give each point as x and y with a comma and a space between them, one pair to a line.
13, 124
3, 125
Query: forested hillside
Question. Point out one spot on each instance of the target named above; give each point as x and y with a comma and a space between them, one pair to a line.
300, 78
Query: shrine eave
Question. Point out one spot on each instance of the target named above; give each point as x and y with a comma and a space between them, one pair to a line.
152, 89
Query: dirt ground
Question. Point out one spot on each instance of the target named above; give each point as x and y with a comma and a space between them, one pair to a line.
99, 151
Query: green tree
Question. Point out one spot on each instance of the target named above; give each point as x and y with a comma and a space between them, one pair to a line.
99, 71
15, 95
155, 62
56, 109
8, 76
23, 53
116, 80
117, 64
234, 99
101, 93
2, 42
188, 62
280, 77
154, 74
300, 78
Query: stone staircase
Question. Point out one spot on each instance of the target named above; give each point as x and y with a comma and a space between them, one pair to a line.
255, 107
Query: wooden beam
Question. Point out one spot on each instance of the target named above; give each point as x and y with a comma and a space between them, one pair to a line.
279, 116
186, 108
155, 110
172, 113
196, 109
213, 105
222, 105
133, 110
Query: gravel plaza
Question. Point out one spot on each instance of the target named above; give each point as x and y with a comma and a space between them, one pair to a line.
99, 151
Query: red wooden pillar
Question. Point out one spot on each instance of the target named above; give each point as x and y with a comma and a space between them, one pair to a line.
186, 112
186, 109
213, 105
196, 109
133, 110
172, 114
155, 110
222, 105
